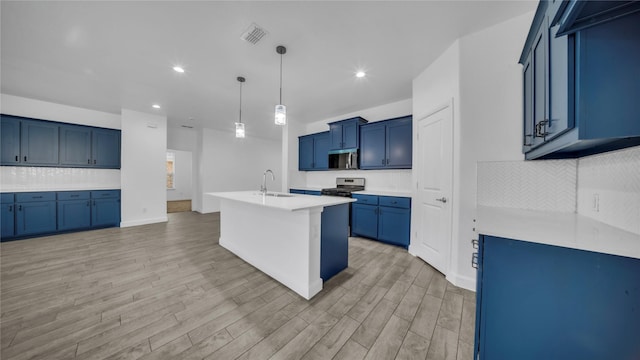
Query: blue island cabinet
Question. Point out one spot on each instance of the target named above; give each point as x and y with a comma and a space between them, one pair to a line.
35, 213
537, 301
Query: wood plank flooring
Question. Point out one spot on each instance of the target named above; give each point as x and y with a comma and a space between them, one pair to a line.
169, 291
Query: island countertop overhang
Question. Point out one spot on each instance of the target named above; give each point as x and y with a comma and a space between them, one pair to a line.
287, 202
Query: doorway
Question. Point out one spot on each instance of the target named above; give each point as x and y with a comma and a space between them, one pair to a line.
179, 180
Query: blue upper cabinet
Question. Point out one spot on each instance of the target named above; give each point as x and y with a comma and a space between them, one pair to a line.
106, 148
387, 144
345, 134
10, 140
580, 79
373, 150
313, 151
75, 145
39, 142
29, 142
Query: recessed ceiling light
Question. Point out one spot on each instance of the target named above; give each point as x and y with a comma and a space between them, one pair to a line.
178, 69
155, 106
361, 74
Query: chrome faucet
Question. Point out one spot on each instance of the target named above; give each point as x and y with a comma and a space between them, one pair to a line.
263, 188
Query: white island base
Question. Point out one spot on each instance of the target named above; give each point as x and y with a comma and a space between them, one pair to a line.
279, 236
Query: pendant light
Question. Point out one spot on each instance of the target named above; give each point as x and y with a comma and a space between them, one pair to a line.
239, 124
281, 110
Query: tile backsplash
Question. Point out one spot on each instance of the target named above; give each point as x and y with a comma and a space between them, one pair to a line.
605, 187
533, 185
24, 178
609, 188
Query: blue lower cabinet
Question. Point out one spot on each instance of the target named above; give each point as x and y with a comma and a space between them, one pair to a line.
296, 191
74, 210
105, 208
384, 218
394, 225
38, 217
364, 220
315, 193
334, 240
7, 221
305, 192
537, 301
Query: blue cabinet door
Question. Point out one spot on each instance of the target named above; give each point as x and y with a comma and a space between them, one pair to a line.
372, 146
334, 240
527, 79
75, 146
321, 143
394, 225
7, 222
105, 212
399, 143
39, 143
350, 134
305, 152
37, 217
549, 302
364, 220
559, 103
335, 133
10, 140
539, 59
106, 148
74, 214
297, 191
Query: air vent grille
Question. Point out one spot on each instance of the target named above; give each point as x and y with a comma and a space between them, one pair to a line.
253, 34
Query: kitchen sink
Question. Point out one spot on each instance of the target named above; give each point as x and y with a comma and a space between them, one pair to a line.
276, 195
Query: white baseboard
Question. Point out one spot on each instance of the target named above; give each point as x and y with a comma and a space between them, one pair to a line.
464, 282
124, 224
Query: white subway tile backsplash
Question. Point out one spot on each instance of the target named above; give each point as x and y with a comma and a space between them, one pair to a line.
533, 185
23, 178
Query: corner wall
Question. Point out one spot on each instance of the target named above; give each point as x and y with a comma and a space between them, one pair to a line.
143, 176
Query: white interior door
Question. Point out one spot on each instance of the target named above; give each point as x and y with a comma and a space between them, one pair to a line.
435, 183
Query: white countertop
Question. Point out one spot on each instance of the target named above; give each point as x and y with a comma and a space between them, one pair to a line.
560, 229
384, 193
291, 202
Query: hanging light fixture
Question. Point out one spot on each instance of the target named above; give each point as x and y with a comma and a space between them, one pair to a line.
239, 124
281, 110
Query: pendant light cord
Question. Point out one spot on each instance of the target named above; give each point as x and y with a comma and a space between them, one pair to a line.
280, 79
240, 102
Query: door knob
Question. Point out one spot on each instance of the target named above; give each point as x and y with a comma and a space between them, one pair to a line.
442, 199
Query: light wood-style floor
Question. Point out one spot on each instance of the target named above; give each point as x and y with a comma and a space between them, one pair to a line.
169, 291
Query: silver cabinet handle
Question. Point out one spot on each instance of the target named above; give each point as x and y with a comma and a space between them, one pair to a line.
442, 199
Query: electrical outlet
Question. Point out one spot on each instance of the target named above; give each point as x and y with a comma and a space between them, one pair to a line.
596, 202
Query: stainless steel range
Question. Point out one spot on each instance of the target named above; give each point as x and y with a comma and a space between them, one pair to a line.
344, 187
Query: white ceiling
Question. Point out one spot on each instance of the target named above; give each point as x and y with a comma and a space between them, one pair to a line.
119, 54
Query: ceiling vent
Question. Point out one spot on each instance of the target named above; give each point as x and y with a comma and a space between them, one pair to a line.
253, 34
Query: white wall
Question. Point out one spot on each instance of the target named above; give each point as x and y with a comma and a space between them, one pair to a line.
227, 163
384, 180
22, 178
182, 176
144, 146
480, 73
180, 138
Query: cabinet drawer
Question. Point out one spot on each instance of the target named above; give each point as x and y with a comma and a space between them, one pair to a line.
6, 198
366, 199
35, 196
73, 195
105, 194
393, 201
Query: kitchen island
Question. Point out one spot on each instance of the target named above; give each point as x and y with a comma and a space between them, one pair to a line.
299, 240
